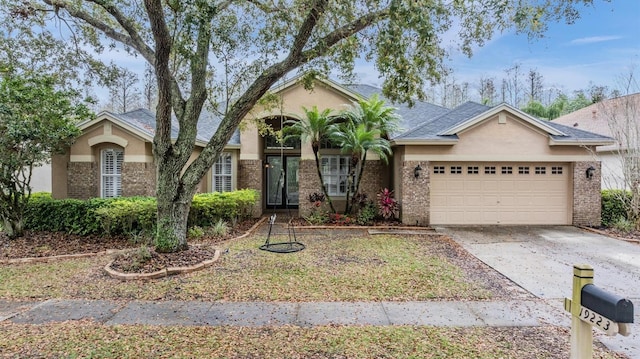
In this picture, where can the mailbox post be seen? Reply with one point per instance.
(592, 306)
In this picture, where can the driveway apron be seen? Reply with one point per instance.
(541, 259)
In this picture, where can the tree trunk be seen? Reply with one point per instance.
(355, 159)
(174, 202)
(324, 188)
(13, 227)
(362, 162)
(173, 214)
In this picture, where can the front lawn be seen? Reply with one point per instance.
(331, 268)
(91, 340)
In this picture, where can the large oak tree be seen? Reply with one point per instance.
(233, 51)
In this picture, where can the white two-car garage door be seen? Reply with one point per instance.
(500, 193)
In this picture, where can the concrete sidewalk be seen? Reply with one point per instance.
(193, 313)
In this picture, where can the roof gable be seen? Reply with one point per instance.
(446, 128)
(137, 127)
(326, 83)
(475, 120)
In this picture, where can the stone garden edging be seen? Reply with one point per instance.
(175, 270)
(163, 272)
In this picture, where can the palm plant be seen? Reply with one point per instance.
(356, 139)
(369, 124)
(315, 128)
(374, 114)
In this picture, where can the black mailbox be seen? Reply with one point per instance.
(611, 306)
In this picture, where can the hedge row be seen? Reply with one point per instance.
(613, 205)
(129, 214)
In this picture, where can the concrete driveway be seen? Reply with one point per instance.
(541, 259)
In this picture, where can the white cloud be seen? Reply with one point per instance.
(593, 39)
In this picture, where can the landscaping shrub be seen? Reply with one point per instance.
(387, 205)
(367, 214)
(220, 228)
(624, 225)
(613, 206)
(43, 213)
(208, 208)
(127, 215)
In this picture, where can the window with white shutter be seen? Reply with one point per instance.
(335, 172)
(111, 171)
(222, 174)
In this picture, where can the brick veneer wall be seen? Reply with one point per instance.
(82, 180)
(308, 183)
(587, 195)
(138, 179)
(414, 200)
(373, 180)
(250, 176)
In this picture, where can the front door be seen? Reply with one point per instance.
(282, 181)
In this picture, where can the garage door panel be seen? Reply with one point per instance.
(489, 184)
(474, 200)
(512, 200)
(456, 201)
(473, 186)
(500, 197)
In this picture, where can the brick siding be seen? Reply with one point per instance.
(374, 178)
(250, 176)
(82, 180)
(138, 179)
(414, 200)
(308, 183)
(587, 196)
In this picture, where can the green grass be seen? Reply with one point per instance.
(91, 340)
(367, 268)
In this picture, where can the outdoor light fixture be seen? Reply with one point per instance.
(267, 165)
(590, 172)
(416, 171)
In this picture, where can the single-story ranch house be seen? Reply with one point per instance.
(471, 165)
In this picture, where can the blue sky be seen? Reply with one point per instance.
(599, 47)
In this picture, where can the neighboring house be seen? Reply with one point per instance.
(617, 118)
(41, 178)
(470, 165)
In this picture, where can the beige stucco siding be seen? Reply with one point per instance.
(294, 99)
(136, 149)
(493, 141)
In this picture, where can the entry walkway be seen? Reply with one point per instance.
(433, 313)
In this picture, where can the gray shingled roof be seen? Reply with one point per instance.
(423, 121)
(411, 117)
(429, 130)
(575, 134)
(145, 121)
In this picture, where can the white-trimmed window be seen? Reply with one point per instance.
(335, 172)
(222, 176)
(111, 172)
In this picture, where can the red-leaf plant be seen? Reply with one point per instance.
(387, 205)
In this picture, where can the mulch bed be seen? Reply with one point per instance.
(47, 244)
(147, 260)
(633, 235)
